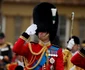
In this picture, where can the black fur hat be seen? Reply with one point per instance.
(45, 20)
(2, 35)
(19, 68)
(76, 39)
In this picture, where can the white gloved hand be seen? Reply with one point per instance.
(1, 57)
(73, 68)
(70, 44)
(31, 30)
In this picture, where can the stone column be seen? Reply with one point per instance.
(0, 15)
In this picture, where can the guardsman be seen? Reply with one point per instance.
(72, 46)
(5, 51)
(43, 55)
(79, 58)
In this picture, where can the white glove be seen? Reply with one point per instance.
(70, 44)
(1, 57)
(73, 68)
(31, 30)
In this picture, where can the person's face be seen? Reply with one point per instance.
(75, 48)
(43, 36)
(19, 58)
(2, 40)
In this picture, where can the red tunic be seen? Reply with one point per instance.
(12, 66)
(22, 48)
(78, 60)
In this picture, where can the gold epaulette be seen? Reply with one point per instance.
(5, 44)
(9, 43)
(22, 37)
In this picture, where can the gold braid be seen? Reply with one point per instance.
(32, 60)
(43, 50)
(34, 52)
(38, 60)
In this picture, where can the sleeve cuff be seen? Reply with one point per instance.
(25, 35)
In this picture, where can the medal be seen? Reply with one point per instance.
(52, 61)
(51, 67)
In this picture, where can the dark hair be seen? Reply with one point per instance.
(2, 35)
(76, 39)
(19, 68)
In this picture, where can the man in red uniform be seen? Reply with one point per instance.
(79, 58)
(43, 55)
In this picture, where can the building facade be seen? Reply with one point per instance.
(17, 16)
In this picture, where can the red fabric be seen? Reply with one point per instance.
(78, 60)
(12, 66)
(21, 48)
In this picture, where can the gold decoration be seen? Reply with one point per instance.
(22, 37)
(43, 50)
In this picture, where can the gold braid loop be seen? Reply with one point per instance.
(30, 62)
(38, 60)
(43, 50)
(34, 52)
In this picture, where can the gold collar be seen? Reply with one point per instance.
(44, 44)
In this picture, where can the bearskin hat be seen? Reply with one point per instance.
(76, 39)
(72, 41)
(45, 20)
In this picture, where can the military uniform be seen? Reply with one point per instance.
(66, 57)
(55, 57)
(41, 55)
(11, 66)
(79, 59)
(5, 50)
(14, 66)
(67, 54)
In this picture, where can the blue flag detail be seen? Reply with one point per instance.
(53, 48)
(44, 59)
(42, 62)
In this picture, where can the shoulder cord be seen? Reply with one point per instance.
(43, 51)
(30, 62)
(38, 52)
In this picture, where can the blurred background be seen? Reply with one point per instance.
(16, 16)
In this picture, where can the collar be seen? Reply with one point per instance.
(44, 44)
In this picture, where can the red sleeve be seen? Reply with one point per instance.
(59, 60)
(21, 47)
(78, 60)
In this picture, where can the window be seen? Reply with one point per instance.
(82, 29)
(63, 29)
(3, 24)
(18, 23)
